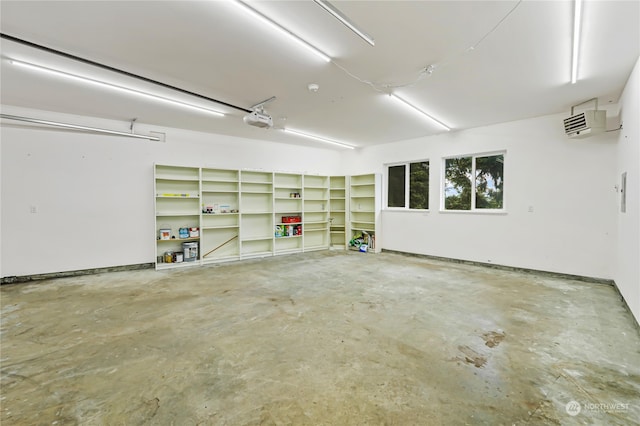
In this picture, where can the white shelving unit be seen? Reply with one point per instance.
(256, 214)
(220, 220)
(364, 209)
(338, 211)
(177, 205)
(287, 199)
(239, 214)
(316, 212)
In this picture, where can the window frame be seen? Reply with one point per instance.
(407, 185)
(473, 209)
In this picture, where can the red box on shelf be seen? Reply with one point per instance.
(291, 219)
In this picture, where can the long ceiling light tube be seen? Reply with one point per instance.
(116, 70)
(345, 20)
(293, 37)
(76, 127)
(318, 138)
(113, 86)
(577, 21)
(416, 109)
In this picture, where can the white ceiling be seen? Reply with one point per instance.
(494, 61)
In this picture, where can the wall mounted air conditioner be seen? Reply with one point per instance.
(586, 123)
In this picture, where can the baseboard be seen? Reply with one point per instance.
(51, 275)
(508, 268)
(626, 305)
(528, 271)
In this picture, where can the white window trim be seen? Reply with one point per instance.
(473, 210)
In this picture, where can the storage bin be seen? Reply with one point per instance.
(190, 251)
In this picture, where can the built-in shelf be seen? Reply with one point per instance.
(241, 213)
(364, 212)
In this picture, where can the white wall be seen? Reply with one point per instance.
(93, 194)
(568, 183)
(627, 274)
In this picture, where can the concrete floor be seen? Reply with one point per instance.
(325, 338)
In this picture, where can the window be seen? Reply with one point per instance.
(408, 186)
(474, 182)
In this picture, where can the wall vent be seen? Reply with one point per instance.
(586, 123)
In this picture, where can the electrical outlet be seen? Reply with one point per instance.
(33, 209)
(530, 209)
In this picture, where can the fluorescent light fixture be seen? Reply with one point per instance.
(77, 127)
(345, 20)
(577, 20)
(416, 109)
(318, 138)
(244, 6)
(113, 86)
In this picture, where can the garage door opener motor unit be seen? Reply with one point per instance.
(258, 117)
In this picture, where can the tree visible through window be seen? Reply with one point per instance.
(408, 185)
(474, 182)
(489, 182)
(419, 185)
(457, 183)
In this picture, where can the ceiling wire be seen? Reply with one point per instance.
(385, 87)
(497, 25)
(361, 80)
(427, 71)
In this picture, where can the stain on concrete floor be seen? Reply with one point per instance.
(325, 338)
